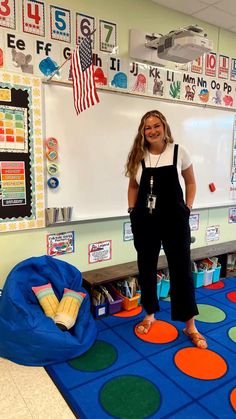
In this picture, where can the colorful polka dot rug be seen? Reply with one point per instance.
(162, 374)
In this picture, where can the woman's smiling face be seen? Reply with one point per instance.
(154, 131)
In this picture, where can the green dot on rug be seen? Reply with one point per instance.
(210, 314)
(129, 397)
(100, 356)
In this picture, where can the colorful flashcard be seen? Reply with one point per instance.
(232, 215)
(60, 243)
(194, 222)
(85, 25)
(233, 69)
(156, 81)
(210, 64)
(8, 14)
(108, 36)
(100, 65)
(20, 60)
(223, 67)
(60, 24)
(197, 65)
(138, 75)
(212, 233)
(13, 188)
(13, 129)
(118, 70)
(173, 84)
(33, 17)
(127, 232)
(100, 251)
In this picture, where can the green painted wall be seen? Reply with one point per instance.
(147, 16)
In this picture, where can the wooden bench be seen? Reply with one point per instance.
(123, 270)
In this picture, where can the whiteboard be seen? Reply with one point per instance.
(93, 149)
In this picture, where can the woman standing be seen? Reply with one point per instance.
(160, 215)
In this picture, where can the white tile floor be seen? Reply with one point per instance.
(28, 392)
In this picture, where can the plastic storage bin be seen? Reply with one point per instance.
(158, 289)
(116, 305)
(216, 274)
(100, 310)
(208, 277)
(198, 279)
(165, 287)
(128, 303)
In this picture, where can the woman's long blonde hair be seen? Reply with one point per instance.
(140, 144)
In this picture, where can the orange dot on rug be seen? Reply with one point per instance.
(200, 363)
(233, 398)
(232, 296)
(215, 286)
(160, 332)
(129, 313)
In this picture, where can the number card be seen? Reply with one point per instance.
(60, 24)
(107, 36)
(8, 14)
(33, 16)
(84, 26)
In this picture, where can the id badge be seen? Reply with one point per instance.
(151, 202)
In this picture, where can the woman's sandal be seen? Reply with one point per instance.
(145, 325)
(195, 338)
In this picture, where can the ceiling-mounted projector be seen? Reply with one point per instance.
(183, 45)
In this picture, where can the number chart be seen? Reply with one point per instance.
(33, 17)
(60, 24)
(8, 14)
(107, 36)
(13, 122)
(84, 26)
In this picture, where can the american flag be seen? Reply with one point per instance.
(84, 87)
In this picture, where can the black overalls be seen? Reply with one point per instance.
(168, 224)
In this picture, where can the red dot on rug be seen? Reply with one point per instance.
(160, 332)
(232, 296)
(233, 398)
(200, 363)
(215, 286)
(129, 313)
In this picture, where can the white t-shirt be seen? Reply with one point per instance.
(166, 159)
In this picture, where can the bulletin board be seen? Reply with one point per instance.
(21, 153)
(93, 149)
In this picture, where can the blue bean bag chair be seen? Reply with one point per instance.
(27, 335)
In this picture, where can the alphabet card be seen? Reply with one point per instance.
(19, 53)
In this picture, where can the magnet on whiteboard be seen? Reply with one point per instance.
(52, 143)
(212, 187)
(52, 155)
(53, 182)
(52, 168)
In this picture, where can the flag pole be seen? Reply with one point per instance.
(53, 74)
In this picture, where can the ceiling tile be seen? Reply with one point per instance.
(216, 17)
(229, 6)
(183, 6)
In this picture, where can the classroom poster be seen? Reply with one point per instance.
(194, 222)
(232, 215)
(60, 243)
(21, 153)
(212, 233)
(127, 231)
(100, 251)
